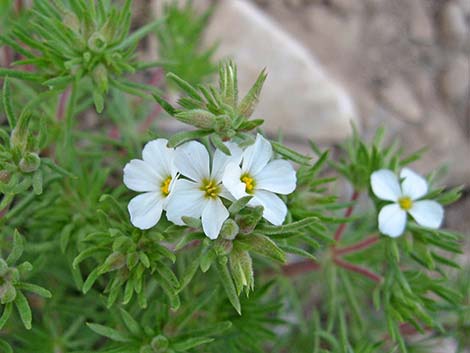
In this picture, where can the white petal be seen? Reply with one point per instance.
(221, 160)
(145, 210)
(192, 160)
(232, 182)
(385, 185)
(392, 220)
(160, 157)
(413, 185)
(140, 176)
(256, 156)
(186, 200)
(275, 210)
(278, 176)
(213, 216)
(427, 213)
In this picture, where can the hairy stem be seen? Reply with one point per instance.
(296, 268)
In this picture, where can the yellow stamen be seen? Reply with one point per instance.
(211, 189)
(405, 203)
(249, 183)
(165, 187)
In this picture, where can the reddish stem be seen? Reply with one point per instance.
(339, 232)
(300, 267)
(8, 54)
(18, 5)
(358, 269)
(358, 246)
(61, 108)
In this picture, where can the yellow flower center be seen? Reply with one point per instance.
(405, 203)
(211, 189)
(249, 183)
(165, 187)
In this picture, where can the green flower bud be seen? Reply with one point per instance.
(229, 229)
(71, 21)
(223, 123)
(7, 292)
(159, 344)
(30, 162)
(4, 176)
(113, 262)
(100, 77)
(223, 247)
(97, 42)
(197, 117)
(249, 218)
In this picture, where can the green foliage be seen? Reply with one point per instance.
(180, 38)
(324, 281)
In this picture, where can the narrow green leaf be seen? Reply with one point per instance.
(7, 309)
(227, 283)
(164, 104)
(17, 249)
(182, 137)
(108, 332)
(130, 323)
(185, 86)
(42, 292)
(23, 309)
(290, 154)
(190, 343)
(248, 103)
(239, 204)
(263, 245)
(22, 75)
(6, 98)
(288, 228)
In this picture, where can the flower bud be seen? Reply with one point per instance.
(229, 229)
(4, 176)
(113, 262)
(223, 247)
(71, 21)
(197, 117)
(97, 42)
(222, 124)
(7, 292)
(29, 163)
(249, 218)
(159, 344)
(100, 77)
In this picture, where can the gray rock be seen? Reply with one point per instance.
(399, 97)
(465, 6)
(299, 97)
(454, 29)
(455, 79)
(421, 26)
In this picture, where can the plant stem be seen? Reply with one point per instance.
(300, 267)
(339, 232)
(358, 269)
(62, 101)
(364, 244)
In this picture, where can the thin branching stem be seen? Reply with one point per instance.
(342, 227)
(359, 246)
(358, 269)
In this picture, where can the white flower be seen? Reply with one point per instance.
(155, 176)
(405, 198)
(200, 195)
(262, 178)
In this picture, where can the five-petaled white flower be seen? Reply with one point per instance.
(406, 199)
(200, 195)
(154, 175)
(262, 178)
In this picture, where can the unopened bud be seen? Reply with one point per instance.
(159, 344)
(71, 21)
(113, 262)
(7, 292)
(100, 77)
(4, 176)
(97, 42)
(223, 247)
(249, 218)
(222, 124)
(197, 117)
(229, 229)
(29, 163)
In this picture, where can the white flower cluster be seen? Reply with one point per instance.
(186, 182)
(406, 198)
